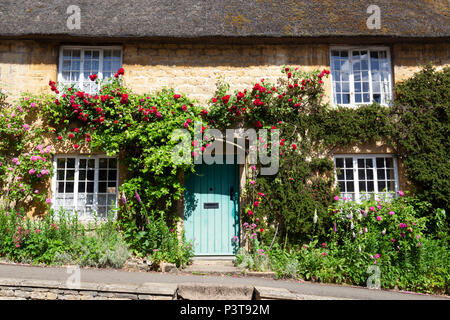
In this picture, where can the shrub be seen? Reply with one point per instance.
(420, 132)
(61, 239)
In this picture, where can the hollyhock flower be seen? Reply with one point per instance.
(372, 209)
(379, 207)
(252, 182)
(378, 218)
(418, 236)
(33, 105)
(48, 200)
(138, 198)
(32, 171)
(401, 193)
(391, 213)
(336, 198)
(26, 127)
(253, 168)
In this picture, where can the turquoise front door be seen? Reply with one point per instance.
(211, 209)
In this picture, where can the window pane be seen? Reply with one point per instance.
(90, 187)
(103, 175)
(350, 186)
(112, 163)
(82, 175)
(341, 186)
(70, 175)
(90, 175)
(112, 175)
(380, 174)
(70, 162)
(81, 186)
(370, 186)
(60, 187)
(361, 174)
(103, 163)
(61, 163)
(349, 174)
(69, 187)
(339, 162)
(349, 162)
(60, 175)
(102, 187)
(381, 186)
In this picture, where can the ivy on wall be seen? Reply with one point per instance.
(294, 203)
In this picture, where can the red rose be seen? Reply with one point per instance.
(289, 75)
(294, 146)
(184, 107)
(124, 99)
(71, 135)
(262, 229)
(176, 96)
(93, 77)
(121, 71)
(225, 99)
(59, 138)
(76, 146)
(76, 130)
(214, 100)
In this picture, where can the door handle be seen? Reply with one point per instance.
(231, 193)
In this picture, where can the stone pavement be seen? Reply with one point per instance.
(201, 286)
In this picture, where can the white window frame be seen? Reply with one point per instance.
(83, 49)
(355, 158)
(349, 49)
(75, 188)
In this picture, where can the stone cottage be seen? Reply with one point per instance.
(186, 45)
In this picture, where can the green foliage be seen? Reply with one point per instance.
(138, 129)
(421, 130)
(61, 239)
(389, 235)
(154, 238)
(24, 159)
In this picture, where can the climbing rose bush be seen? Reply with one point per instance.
(25, 158)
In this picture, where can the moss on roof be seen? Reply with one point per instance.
(226, 18)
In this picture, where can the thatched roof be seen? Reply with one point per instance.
(226, 18)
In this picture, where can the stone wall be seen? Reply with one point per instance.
(16, 289)
(193, 69)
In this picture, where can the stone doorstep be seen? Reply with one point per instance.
(209, 291)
